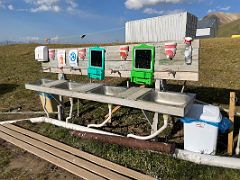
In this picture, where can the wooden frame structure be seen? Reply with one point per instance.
(164, 68)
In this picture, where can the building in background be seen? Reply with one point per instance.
(207, 28)
(161, 28)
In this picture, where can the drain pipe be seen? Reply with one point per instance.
(165, 117)
(71, 110)
(104, 122)
(69, 125)
(210, 160)
(238, 144)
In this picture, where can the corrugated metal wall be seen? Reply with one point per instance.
(162, 28)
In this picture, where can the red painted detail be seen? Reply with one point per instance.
(124, 52)
(82, 54)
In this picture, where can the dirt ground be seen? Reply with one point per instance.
(23, 165)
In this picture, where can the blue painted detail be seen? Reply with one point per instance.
(73, 56)
(223, 126)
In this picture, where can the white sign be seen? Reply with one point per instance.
(73, 58)
(61, 57)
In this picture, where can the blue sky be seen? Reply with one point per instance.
(102, 20)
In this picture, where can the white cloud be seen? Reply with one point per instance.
(156, 12)
(227, 8)
(72, 3)
(10, 7)
(44, 5)
(139, 4)
(174, 11)
(45, 8)
(152, 11)
(211, 10)
(31, 39)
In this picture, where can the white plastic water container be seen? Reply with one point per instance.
(41, 53)
(199, 136)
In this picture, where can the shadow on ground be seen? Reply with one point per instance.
(208, 94)
(6, 88)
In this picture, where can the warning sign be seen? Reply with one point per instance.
(61, 57)
(73, 58)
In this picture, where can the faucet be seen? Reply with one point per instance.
(115, 71)
(170, 71)
(75, 69)
(46, 68)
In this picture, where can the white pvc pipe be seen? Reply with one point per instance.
(238, 144)
(71, 110)
(104, 122)
(210, 160)
(26, 113)
(69, 125)
(12, 121)
(165, 117)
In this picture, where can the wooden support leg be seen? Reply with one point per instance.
(231, 117)
(113, 111)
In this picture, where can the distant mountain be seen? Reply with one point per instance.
(223, 18)
(227, 30)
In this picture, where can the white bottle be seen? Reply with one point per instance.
(188, 50)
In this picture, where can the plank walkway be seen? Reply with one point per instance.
(77, 162)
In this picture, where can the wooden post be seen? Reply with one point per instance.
(231, 117)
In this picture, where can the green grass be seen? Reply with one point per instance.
(219, 74)
(227, 30)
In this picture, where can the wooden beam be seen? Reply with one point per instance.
(49, 157)
(231, 117)
(81, 154)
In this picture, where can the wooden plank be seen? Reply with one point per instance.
(231, 117)
(50, 158)
(113, 111)
(66, 156)
(107, 164)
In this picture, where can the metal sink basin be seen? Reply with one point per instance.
(168, 98)
(68, 86)
(42, 82)
(108, 90)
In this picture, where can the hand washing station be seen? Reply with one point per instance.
(171, 103)
(145, 66)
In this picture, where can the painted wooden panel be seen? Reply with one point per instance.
(114, 65)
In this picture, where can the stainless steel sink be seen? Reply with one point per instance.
(108, 90)
(168, 98)
(68, 86)
(42, 82)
